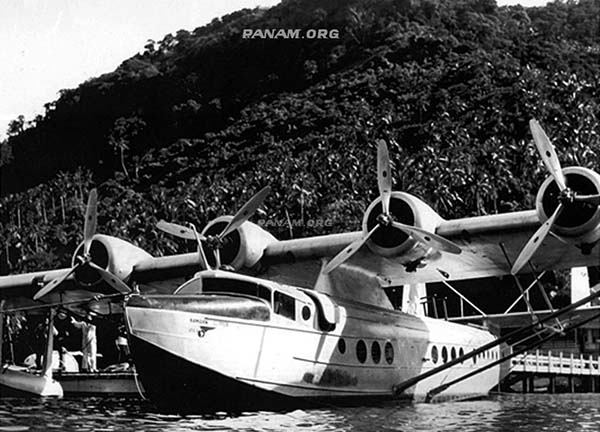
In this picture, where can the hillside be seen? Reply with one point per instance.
(193, 126)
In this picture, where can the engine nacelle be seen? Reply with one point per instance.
(406, 209)
(579, 222)
(110, 253)
(243, 247)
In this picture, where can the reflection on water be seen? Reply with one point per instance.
(499, 413)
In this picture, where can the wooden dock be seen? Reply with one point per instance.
(554, 373)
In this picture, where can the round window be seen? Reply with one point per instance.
(342, 346)
(453, 353)
(375, 352)
(361, 351)
(389, 353)
(461, 352)
(305, 313)
(444, 354)
(434, 354)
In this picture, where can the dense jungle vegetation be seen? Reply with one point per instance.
(191, 127)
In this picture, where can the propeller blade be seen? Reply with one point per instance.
(535, 241)
(428, 238)
(202, 257)
(111, 279)
(178, 230)
(384, 176)
(348, 251)
(246, 211)
(592, 199)
(91, 220)
(54, 283)
(548, 154)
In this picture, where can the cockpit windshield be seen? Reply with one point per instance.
(225, 285)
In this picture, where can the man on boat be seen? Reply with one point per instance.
(88, 343)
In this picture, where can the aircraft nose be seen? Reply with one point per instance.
(217, 305)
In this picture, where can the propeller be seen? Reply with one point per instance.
(215, 242)
(566, 197)
(89, 229)
(384, 183)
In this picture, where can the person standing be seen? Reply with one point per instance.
(88, 343)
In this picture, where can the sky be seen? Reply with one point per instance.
(49, 45)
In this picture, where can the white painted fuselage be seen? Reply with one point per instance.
(300, 345)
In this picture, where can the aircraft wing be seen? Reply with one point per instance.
(487, 243)
(522, 319)
(26, 280)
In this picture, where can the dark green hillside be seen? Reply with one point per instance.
(197, 123)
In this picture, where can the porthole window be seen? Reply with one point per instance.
(461, 352)
(305, 313)
(434, 354)
(453, 353)
(444, 354)
(342, 346)
(389, 353)
(475, 359)
(361, 351)
(375, 352)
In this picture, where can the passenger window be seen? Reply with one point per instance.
(361, 351)
(434, 354)
(444, 354)
(375, 352)
(305, 313)
(453, 353)
(341, 346)
(461, 353)
(284, 305)
(389, 353)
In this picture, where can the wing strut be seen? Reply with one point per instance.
(437, 390)
(511, 337)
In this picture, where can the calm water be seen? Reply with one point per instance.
(578, 412)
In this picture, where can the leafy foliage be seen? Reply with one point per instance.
(193, 126)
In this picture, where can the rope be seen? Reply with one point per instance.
(137, 384)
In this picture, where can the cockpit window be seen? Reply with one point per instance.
(284, 305)
(193, 286)
(236, 286)
(204, 285)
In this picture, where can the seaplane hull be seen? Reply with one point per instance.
(197, 358)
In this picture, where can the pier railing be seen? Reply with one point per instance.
(546, 362)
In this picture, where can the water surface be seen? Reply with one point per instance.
(508, 412)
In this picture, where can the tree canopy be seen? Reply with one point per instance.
(191, 127)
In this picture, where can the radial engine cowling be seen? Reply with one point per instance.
(406, 209)
(243, 247)
(579, 222)
(110, 253)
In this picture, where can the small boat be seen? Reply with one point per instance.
(22, 381)
(115, 380)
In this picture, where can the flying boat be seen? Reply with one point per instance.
(266, 323)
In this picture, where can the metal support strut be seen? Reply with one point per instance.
(512, 336)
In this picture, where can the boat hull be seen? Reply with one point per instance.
(18, 381)
(190, 361)
(98, 383)
(185, 387)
